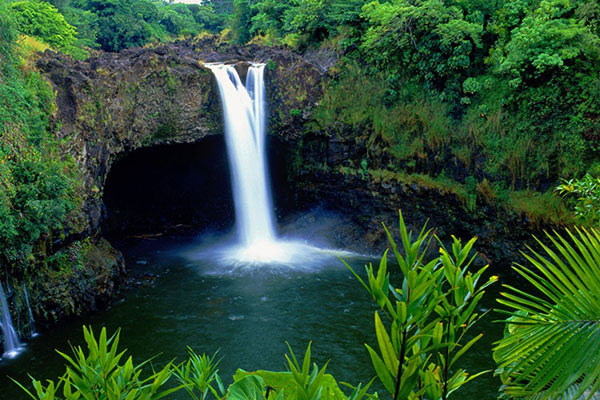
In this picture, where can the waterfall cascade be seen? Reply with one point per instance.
(244, 113)
(11, 341)
(243, 109)
(29, 313)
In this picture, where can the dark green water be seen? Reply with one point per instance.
(248, 315)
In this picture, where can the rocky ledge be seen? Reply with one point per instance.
(114, 103)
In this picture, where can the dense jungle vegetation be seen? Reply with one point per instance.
(498, 100)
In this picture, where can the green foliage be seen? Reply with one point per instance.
(540, 208)
(36, 193)
(545, 63)
(431, 312)
(117, 24)
(551, 345)
(269, 17)
(586, 195)
(99, 373)
(241, 26)
(546, 41)
(308, 385)
(85, 22)
(299, 23)
(407, 127)
(299, 382)
(432, 41)
(121, 24)
(306, 21)
(199, 375)
(508, 89)
(42, 20)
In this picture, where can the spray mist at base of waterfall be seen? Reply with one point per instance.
(230, 258)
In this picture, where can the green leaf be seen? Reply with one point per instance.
(555, 340)
(382, 372)
(385, 345)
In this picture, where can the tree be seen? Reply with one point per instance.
(42, 20)
(269, 18)
(36, 183)
(432, 41)
(242, 20)
(545, 69)
(178, 19)
(121, 24)
(308, 20)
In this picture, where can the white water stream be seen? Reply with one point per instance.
(244, 113)
(243, 109)
(11, 344)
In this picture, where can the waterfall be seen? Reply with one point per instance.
(30, 313)
(244, 114)
(11, 341)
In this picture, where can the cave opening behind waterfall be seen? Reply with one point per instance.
(176, 187)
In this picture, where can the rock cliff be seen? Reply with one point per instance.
(115, 103)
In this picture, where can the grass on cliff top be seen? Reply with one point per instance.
(396, 115)
(540, 208)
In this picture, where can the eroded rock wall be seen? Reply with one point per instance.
(114, 103)
(111, 105)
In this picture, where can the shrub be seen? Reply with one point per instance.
(585, 193)
(430, 313)
(42, 20)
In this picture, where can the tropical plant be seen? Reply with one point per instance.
(586, 194)
(98, 373)
(551, 345)
(241, 21)
(429, 315)
(42, 20)
(298, 382)
(36, 177)
(435, 42)
(199, 374)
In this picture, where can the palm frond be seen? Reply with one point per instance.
(552, 344)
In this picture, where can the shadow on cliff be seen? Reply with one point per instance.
(181, 187)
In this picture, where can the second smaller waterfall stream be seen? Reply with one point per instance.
(29, 313)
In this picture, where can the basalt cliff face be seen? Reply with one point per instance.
(112, 105)
(116, 104)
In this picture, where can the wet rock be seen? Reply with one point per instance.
(114, 103)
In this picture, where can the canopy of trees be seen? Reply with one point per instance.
(504, 94)
(42, 20)
(113, 25)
